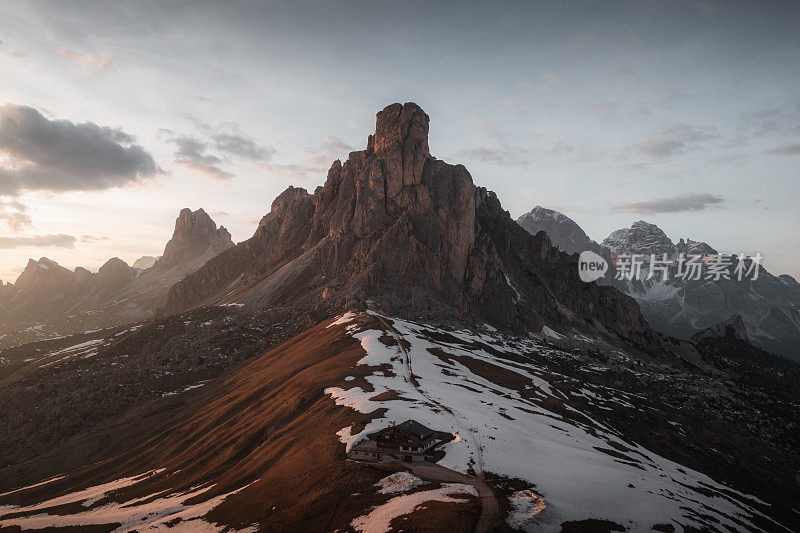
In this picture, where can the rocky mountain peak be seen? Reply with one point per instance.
(113, 275)
(285, 202)
(641, 238)
(43, 275)
(543, 212)
(563, 232)
(145, 262)
(194, 233)
(113, 269)
(401, 144)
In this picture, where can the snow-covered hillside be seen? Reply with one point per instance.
(497, 396)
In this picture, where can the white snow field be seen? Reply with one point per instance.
(580, 468)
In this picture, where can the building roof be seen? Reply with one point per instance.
(416, 429)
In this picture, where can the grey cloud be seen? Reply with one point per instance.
(199, 155)
(60, 155)
(675, 204)
(571, 150)
(92, 238)
(643, 107)
(773, 119)
(13, 214)
(56, 240)
(785, 149)
(335, 144)
(673, 140)
(191, 153)
(244, 147)
(491, 130)
(330, 149)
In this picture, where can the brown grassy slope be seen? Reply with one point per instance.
(272, 422)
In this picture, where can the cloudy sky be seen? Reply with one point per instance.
(115, 116)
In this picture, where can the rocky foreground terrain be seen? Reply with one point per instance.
(398, 290)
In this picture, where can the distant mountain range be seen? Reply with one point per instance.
(769, 305)
(48, 300)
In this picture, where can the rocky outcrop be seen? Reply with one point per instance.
(413, 235)
(732, 328)
(194, 234)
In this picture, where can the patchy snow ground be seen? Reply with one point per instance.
(379, 518)
(148, 513)
(64, 354)
(398, 482)
(581, 468)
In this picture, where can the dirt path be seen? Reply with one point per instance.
(433, 472)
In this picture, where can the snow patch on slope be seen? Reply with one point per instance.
(154, 512)
(398, 482)
(378, 520)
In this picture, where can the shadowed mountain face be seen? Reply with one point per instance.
(769, 306)
(563, 232)
(412, 234)
(49, 300)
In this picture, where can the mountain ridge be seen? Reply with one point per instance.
(49, 300)
(769, 305)
(398, 227)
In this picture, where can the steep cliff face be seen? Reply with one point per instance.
(396, 227)
(194, 234)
